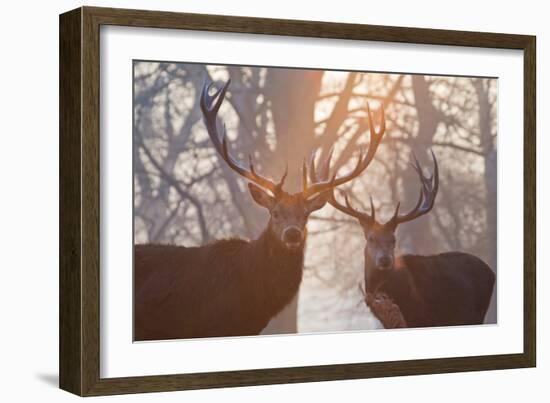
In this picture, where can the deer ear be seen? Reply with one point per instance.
(317, 202)
(261, 197)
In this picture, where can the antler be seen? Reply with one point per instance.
(322, 183)
(426, 200)
(428, 192)
(348, 209)
(210, 104)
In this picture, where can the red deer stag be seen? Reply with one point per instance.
(232, 287)
(417, 291)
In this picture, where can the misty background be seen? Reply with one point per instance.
(185, 194)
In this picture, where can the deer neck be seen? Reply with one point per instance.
(397, 282)
(281, 269)
(269, 246)
(376, 278)
(371, 277)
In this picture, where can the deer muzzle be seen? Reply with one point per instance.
(384, 262)
(293, 237)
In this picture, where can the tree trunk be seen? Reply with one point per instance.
(420, 239)
(292, 94)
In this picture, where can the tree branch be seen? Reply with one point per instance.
(176, 185)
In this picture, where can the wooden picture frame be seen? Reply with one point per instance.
(79, 200)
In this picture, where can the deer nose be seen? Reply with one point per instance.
(292, 235)
(384, 262)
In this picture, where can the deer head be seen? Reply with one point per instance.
(380, 246)
(288, 212)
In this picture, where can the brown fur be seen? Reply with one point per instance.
(439, 290)
(228, 288)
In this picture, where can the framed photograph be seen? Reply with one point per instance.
(250, 201)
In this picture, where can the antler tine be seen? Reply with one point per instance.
(315, 176)
(322, 175)
(305, 170)
(363, 161)
(350, 210)
(210, 104)
(324, 184)
(279, 186)
(372, 210)
(429, 186)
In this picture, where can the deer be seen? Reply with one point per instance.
(445, 289)
(232, 287)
